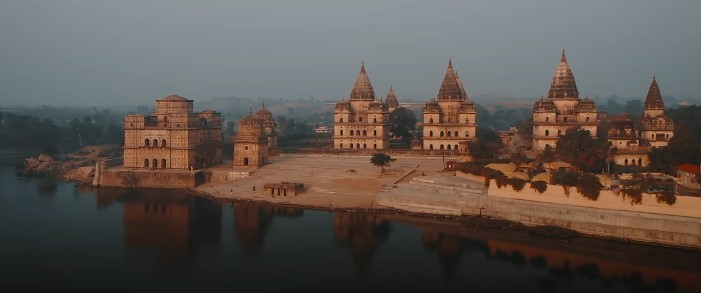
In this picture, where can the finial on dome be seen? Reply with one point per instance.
(563, 58)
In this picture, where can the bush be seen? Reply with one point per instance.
(501, 179)
(589, 186)
(540, 186)
(667, 197)
(517, 183)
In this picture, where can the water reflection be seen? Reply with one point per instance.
(251, 220)
(172, 224)
(363, 233)
(637, 267)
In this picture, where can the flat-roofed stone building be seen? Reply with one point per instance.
(169, 138)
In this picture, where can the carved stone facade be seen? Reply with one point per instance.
(168, 138)
(562, 109)
(658, 128)
(251, 144)
(633, 145)
(450, 119)
(361, 122)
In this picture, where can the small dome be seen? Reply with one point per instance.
(544, 105)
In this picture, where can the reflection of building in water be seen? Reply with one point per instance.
(362, 232)
(174, 224)
(251, 220)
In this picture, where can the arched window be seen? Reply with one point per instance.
(456, 147)
(351, 145)
(163, 142)
(547, 119)
(640, 162)
(564, 119)
(430, 133)
(374, 146)
(155, 142)
(442, 147)
(587, 119)
(449, 133)
(340, 120)
(341, 132)
(374, 120)
(165, 118)
(442, 134)
(146, 163)
(365, 146)
(374, 132)
(430, 120)
(163, 163)
(456, 133)
(203, 121)
(357, 145)
(245, 147)
(467, 134)
(155, 163)
(147, 142)
(360, 118)
(467, 120)
(449, 147)
(547, 132)
(365, 133)
(559, 132)
(245, 161)
(340, 146)
(352, 132)
(625, 162)
(430, 146)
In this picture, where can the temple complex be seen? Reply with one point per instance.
(173, 137)
(450, 119)
(361, 122)
(562, 109)
(633, 144)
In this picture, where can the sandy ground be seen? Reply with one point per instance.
(330, 181)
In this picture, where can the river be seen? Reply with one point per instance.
(56, 235)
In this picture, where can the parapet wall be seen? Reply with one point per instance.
(677, 225)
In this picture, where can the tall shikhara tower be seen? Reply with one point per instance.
(450, 119)
(658, 128)
(361, 122)
(562, 109)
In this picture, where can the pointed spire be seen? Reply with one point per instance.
(451, 87)
(654, 96)
(391, 99)
(362, 89)
(563, 85)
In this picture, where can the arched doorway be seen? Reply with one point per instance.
(146, 163)
(155, 163)
(163, 163)
(245, 161)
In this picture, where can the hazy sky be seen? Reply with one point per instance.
(133, 51)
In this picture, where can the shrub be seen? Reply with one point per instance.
(517, 183)
(501, 179)
(667, 197)
(589, 186)
(540, 186)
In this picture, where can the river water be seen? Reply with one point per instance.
(56, 235)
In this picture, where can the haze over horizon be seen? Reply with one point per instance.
(97, 53)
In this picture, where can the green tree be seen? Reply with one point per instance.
(518, 158)
(578, 148)
(546, 156)
(381, 160)
(565, 178)
(487, 144)
(589, 186)
(402, 122)
(206, 151)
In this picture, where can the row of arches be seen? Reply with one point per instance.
(360, 119)
(154, 163)
(467, 120)
(154, 142)
(564, 119)
(633, 162)
(449, 133)
(357, 146)
(358, 133)
(444, 147)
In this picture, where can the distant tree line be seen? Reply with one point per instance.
(24, 132)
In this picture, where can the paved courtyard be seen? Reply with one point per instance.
(330, 181)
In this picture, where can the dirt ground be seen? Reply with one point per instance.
(330, 181)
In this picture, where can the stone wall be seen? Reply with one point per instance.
(150, 179)
(678, 225)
